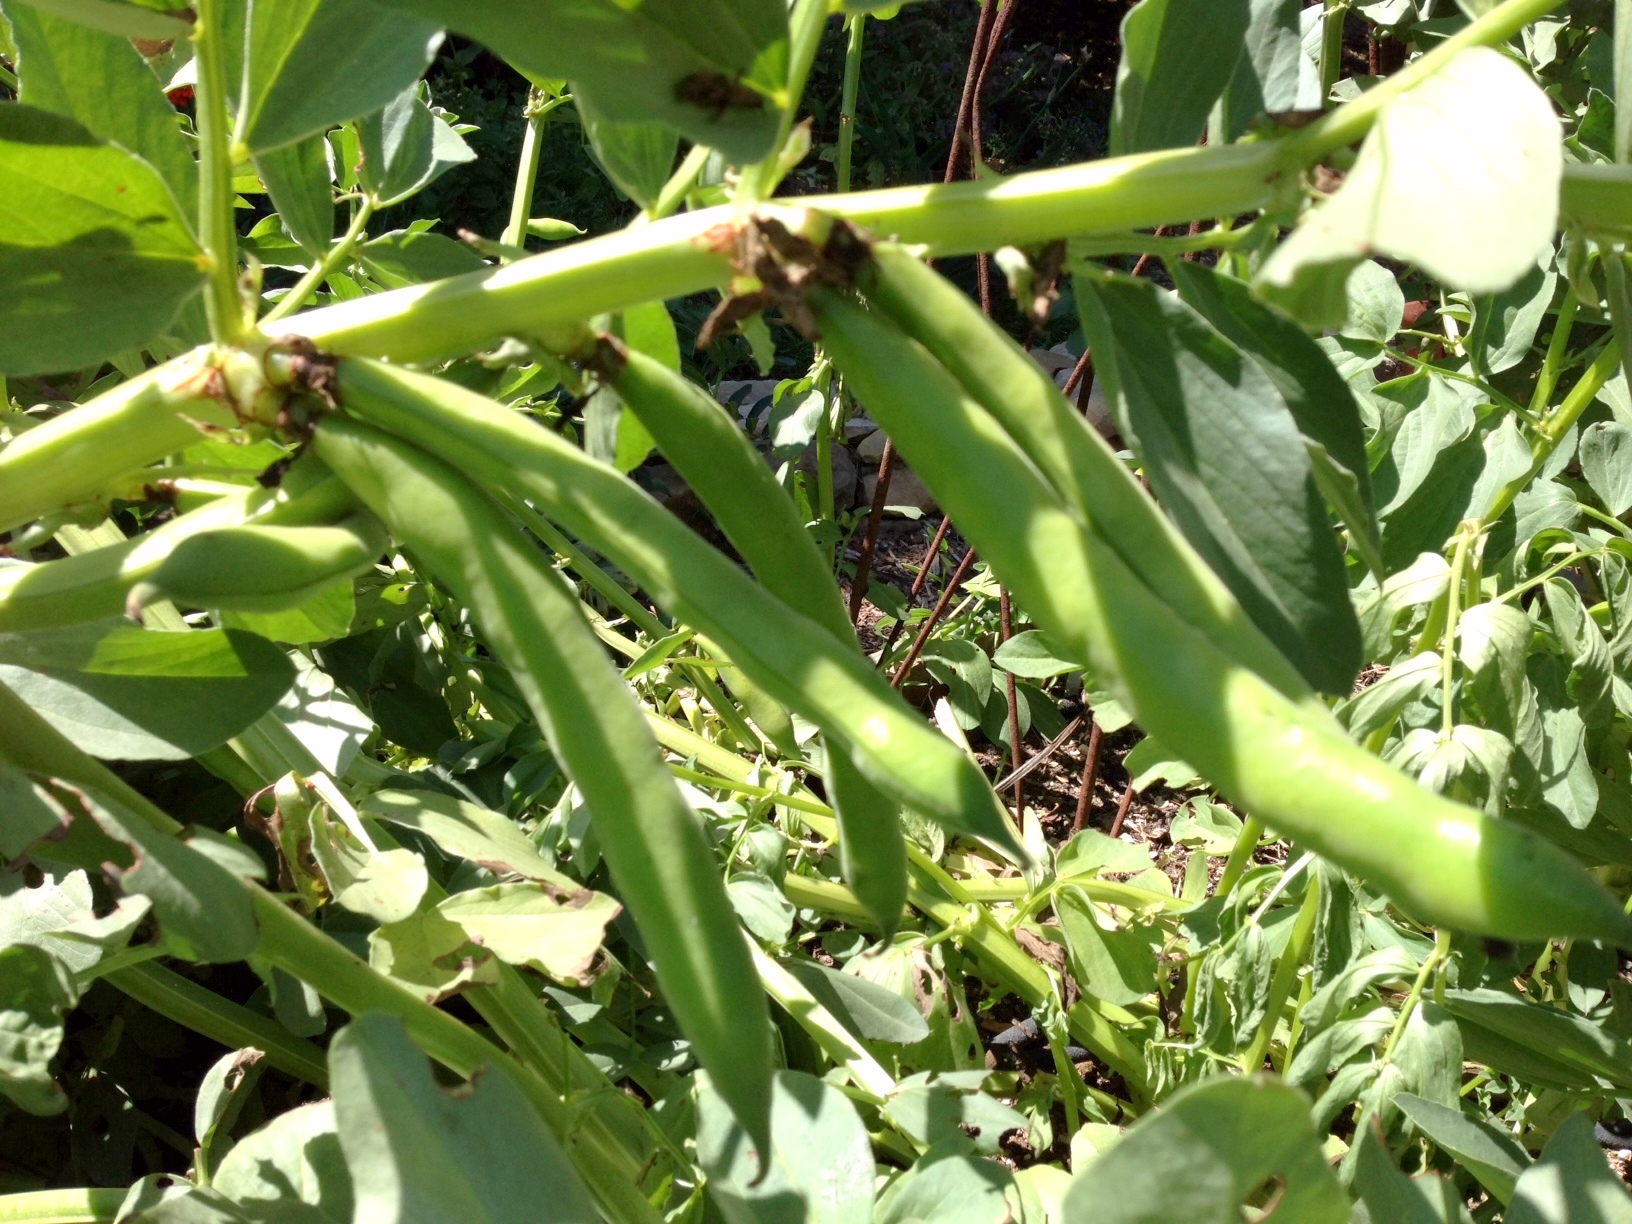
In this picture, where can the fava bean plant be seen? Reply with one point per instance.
(405, 816)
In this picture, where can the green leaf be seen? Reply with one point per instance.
(942, 1112)
(1505, 324)
(1584, 1052)
(1606, 462)
(870, 1011)
(1090, 852)
(647, 329)
(385, 885)
(36, 991)
(949, 1186)
(1483, 1149)
(124, 693)
(125, 20)
(637, 157)
(1458, 175)
(1226, 459)
(819, 1169)
(100, 80)
(27, 813)
(524, 925)
(416, 1151)
(323, 618)
(762, 907)
(1032, 654)
(1570, 1183)
(466, 831)
(1388, 1196)
(202, 906)
(1200, 1156)
(1117, 965)
(291, 1171)
(1273, 75)
(430, 955)
(314, 63)
(299, 177)
(410, 257)
(714, 70)
(94, 254)
(58, 918)
(405, 147)
(1177, 57)
(1321, 403)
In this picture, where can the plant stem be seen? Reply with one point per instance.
(1286, 975)
(680, 183)
(190, 1005)
(1551, 431)
(1558, 347)
(1348, 123)
(805, 24)
(834, 1039)
(319, 272)
(521, 203)
(1453, 610)
(1240, 855)
(857, 23)
(61, 1207)
(217, 224)
(1442, 950)
(683, 254)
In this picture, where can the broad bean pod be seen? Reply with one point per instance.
(1286, 762)
(659, 855)
(1078, 464)
(791, 657)
(253, 568)
(98, 584)
(726, 472)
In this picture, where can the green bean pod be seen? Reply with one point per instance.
(793, 658)
(263, 569)
(726, 472)
(98, 584)
(1077, 463)
(658, 853)
(93, 449)
(1285, 762)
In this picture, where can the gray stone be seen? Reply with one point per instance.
(857, 428)
(905, 490)
(844, 473)
(871, 448)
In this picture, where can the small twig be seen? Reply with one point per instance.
(869, 540)
(1122, 811)
(1090, 776)
(917, 584)
(1048, 750)
(1006, 622)
(934, 619)
(977, 58)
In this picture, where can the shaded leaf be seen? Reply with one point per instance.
(1177, 57)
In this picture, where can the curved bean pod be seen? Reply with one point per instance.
(95, 585)
(1069, 454)
(659, 856)
(791, 657)
(726, 472)
(252, 568)
(1285, 762)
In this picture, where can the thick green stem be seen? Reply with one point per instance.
(61, 1207)
(683, 254)
(1465, 535)
(847, 103)
(217, 222)
(1286, 976)
(235, 1027)
(805, 24)
(521, 203)
(319, 272)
